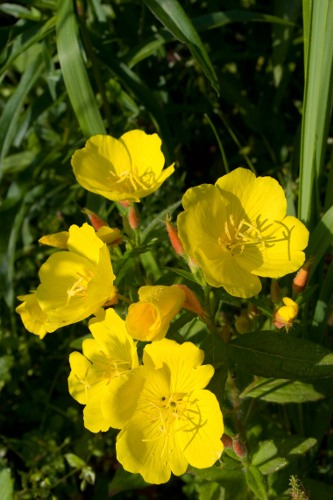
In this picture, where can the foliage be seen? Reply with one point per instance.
(246, 83)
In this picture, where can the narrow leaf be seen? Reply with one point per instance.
(174, 18)
(320, 239)
(317, 109)
(74, 72)
(12, 111)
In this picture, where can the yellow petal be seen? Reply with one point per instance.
(77, 380)
(57, 240)
(144, 152)
(286, 254)
(200, 436)
(257, 195)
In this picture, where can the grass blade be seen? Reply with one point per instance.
(74, 72)
(12, 111)
(317, 108)
(175, 19)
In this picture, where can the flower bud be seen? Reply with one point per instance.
(227, 441)
(191, 301)
(173, 236)
(285, 315)
(301, 279)
(239, 448)
(133, 217)
(95, 220)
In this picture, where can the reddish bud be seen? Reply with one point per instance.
(302, 277)
(239, 448)
(95, 220)
(227, 441)
(191, 301)
(133, 217)
(174, 238)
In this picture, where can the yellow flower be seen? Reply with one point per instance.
(121, 170)
(149, 319)
(238, 230)
(174, 421)
(74, 284)
(286, 315)
(105, 360)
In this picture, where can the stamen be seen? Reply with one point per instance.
(237, 237)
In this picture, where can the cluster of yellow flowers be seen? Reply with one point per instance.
(233, 232)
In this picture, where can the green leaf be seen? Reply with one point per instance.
(284, 391)
(275, 454)
(174, 18)
(74, 461)
(320, 239)
(271, 354)
(6, 364)
(13, 109)
(255, 482)
(6, 484)
(74, 72)
(317, 108)
(124, 481)
(25, 40)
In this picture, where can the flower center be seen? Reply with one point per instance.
(79, 288)
(166, 410)
(131, 180)
(110, 368)
(237, 236)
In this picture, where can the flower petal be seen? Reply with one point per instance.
(200, 435)
(286, 255)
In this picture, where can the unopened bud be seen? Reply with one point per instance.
(286, 315)
(227, 441)
(191, 302)
(239, 448)
(133, 217)
(302, 277)
(95, 220)
(174, 238)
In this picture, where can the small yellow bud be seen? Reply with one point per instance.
(285, 315)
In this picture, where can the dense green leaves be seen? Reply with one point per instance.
(271, 354)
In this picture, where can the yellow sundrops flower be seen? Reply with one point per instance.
(149, 319)
(125, 169)
(105, 360)
(238, 230)
(74, 284)
(286, 315)
(174, 421)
